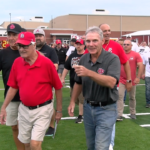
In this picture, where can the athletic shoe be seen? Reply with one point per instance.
(119, 118)
(110, 147)
(79, 119)
(147, 106)
(133, 116)
(50, 132)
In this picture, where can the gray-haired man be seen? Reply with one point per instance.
(97, 76)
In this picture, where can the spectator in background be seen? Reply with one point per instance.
(1, 45)
(120, 41)
(61, 53)
(71, 47)
(146, 76)
(72, 60)
(134, 61)
(134, 45)
(143, 48)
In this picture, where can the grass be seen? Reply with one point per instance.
(71, 136)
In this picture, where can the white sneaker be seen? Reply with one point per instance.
(110, 147)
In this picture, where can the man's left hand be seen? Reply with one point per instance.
(128, 86)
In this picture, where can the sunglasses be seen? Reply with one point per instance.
(126, 44)
(23, 46)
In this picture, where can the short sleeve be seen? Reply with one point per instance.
(68, 52)
(114, 68)
(12, 80)
(55, 80)
(139, 59)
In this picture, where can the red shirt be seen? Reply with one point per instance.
(134, 58)
(34, 82)
(117, 49)
(86, 51)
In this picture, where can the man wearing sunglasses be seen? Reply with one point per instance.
(134, 61)
(33, 75)
(7, 57)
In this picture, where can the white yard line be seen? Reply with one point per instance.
(145, 125)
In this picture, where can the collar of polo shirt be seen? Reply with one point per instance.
(100, 58)
(37, 63)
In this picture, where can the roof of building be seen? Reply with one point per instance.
(139, 33)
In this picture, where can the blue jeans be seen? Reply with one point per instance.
(98, 123)
(113, 135)
(147, 90)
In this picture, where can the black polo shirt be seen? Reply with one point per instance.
(50, 53)
(106, 64)
(61, 55)
(7, 57)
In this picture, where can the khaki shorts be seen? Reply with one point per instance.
(34, 123)
(80, 98)
(12, 113)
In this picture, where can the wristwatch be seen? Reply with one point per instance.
(129, 81)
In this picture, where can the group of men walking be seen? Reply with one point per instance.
(94, 76)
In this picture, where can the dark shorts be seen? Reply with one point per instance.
(60, 68)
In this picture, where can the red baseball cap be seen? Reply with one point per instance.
(25, 38)
(80, 41)
(58, 41)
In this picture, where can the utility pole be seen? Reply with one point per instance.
(10, 17)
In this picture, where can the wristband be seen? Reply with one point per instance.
(58, 111)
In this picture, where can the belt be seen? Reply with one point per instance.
(40, 105)
(93, 103)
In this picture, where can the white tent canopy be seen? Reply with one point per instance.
(139, 33)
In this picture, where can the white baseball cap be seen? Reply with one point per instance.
(39, 31)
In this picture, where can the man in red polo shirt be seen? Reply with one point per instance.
(134, 60)
(33, 75)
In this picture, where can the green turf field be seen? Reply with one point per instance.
(71, 136)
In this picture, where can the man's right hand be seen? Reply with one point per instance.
(71, 109)
(128, 86)
(3, 116)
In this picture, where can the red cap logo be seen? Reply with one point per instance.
(37, 30)
(12, 26)
(22, 36)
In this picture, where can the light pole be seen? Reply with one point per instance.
(10, 17)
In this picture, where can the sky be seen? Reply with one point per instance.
(26, 9)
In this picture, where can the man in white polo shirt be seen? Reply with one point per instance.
(146, 76)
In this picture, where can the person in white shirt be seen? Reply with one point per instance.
(143, 48)
(134, 45)
(71, 47)
(146, 76)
